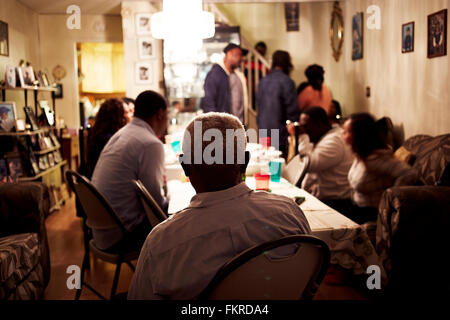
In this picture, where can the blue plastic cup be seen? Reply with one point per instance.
(176, 146)
(275, 170)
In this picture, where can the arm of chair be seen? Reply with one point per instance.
(411, 214)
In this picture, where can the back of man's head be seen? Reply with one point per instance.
(317, 115)
(148, 103)
(214, 149)
(282, 60)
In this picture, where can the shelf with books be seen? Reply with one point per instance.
(43, 173)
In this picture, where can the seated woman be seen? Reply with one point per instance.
(109, 119)
(374, 169)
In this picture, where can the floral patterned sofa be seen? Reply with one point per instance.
(24, 251)
(413, 224)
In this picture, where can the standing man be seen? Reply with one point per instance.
(276, 100)
(225, 86)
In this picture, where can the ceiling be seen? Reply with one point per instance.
(109, 6)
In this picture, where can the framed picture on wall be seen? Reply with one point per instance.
(408, 37)
(143, 24)
(144, 73)
(437, 34)
(146, 48)
(4, 39)
(8, 116)
(357, 36)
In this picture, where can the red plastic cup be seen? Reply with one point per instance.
(265, 142)
(262, 181)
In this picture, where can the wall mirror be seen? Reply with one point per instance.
(336, 31)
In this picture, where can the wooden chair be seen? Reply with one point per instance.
(100, 216)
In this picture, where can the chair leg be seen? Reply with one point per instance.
(78, 294)
(130, 265)
(86, 261)
(116, 280)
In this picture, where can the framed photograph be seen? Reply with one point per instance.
(51, 160)
(59, 91)
(28, 75)
(4, 39)
(146, 47)
(15, 167)
(57, 156)
(408, 37)
(48, 142)
(43, 163)
(3, 171)
(437, 34)
(10, 76)
(8, 116)
(20, 125)
(49, 115)
(291, 13)
(144, 72)
(55, 140)
(357, 36)
(20, 82)
(31, 118)
(143, 24)
(43, 80)
(34, 165)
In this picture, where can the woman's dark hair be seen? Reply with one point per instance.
(282, 59)
(337, 106)
(110, 117)
(315, 73)
(128, 100)
(366, 137)
(301, 87)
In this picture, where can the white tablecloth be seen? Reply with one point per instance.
(349, 243)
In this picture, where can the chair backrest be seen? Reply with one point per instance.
(154, 213)
(100, 214)
(296, 169)
(255, 275)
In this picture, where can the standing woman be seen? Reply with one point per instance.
(374, 169)
(109, 119)
(315, 94)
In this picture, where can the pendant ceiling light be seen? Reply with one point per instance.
(182, 24)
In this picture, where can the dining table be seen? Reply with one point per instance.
(349, 243)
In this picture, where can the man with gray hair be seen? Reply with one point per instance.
(182, 254)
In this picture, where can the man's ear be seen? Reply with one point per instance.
(186, 167)
(247, 160)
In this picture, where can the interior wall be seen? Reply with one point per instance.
(58, 47)
(23, 44)
(408, 87)
(130, 40)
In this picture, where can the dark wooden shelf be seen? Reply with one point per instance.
(43, 173)
(48, 150)
(24, 133)
(48, 89)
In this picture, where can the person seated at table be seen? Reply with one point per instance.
(134, 152)
(329, 160)
(182, 254)
(374, 169)
(109, 119)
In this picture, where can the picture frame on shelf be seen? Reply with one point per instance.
(54, 139)
(33, 165)
(408, 37)
(357, 36)
(4, 177)
(143, 24)
(20, 82)
(51, 160)
(14, 165)
(59, 91)
(43, 79)
(42, 143)
(437, 34)
(10, 77)
(4, 39)
(43, 163)
(146, 48)
(31, 118)
(28, 75)
(34, 142)
(8, 116)
(20, 125)
(57, 156)
(48, 112)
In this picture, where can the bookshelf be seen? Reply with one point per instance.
(35, 91)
